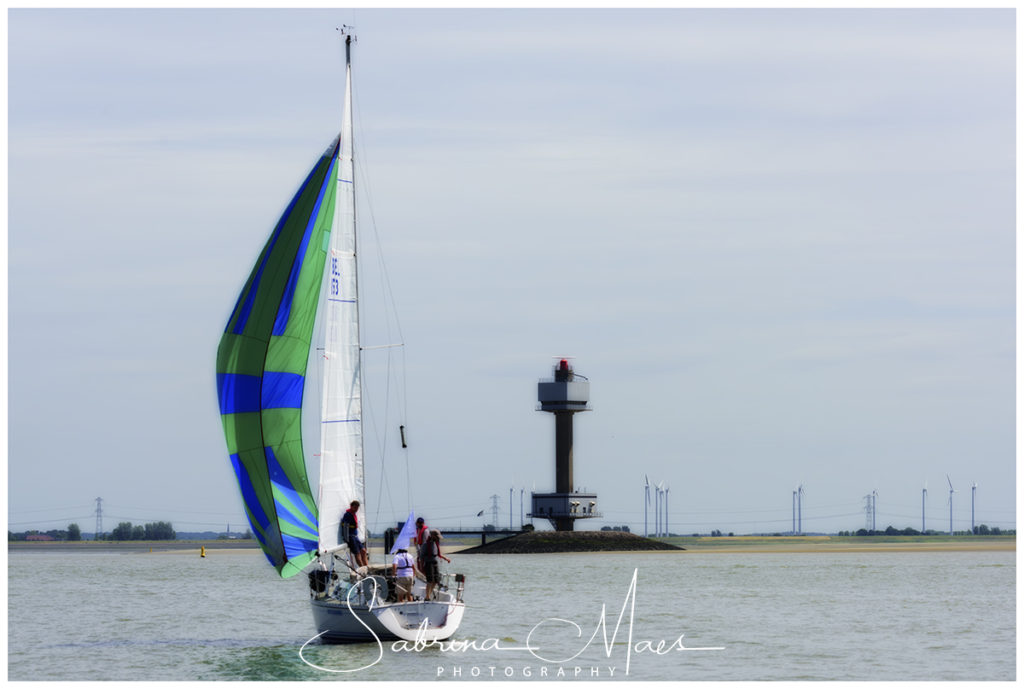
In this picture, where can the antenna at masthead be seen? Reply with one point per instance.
(348, 32)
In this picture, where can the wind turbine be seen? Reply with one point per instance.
(657, 511)
(924, 495)
(974, 489)
(951, 491)
(659, 506)
(794, 512)
(800, 508)
(874, 509)
(666, 512)
(647, 501)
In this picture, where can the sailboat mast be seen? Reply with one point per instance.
(349, 129)
(341, 446)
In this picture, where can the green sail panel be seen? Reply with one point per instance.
(261, 370)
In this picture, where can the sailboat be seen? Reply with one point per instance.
(307, 272)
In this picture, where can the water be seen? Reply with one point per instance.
(784, 616)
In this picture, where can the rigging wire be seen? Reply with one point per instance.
(53, 509)
(50, 521)
(390, 320)
(107, 506)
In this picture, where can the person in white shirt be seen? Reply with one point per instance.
(403, 566)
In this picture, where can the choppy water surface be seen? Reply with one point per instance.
(794, 616)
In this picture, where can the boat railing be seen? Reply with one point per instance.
(445, 586)
(373, 590)
(370, 591)
(320, 581)
(460, 586)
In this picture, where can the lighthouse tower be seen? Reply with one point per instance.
(565, 394)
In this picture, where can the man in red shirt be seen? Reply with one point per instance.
(351, 521)
(421, 538)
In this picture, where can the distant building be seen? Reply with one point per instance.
(39, 537)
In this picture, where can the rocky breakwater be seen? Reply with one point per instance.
(570, 542)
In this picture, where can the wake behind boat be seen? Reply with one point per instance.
(305, 277)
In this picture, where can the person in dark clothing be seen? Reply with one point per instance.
(421, 538)
(350, 534)
(431, 552)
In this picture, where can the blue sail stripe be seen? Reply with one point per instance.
(285, 511)
(285, 307)
(250, 294)
(250, 297)
(281, 390)
(255, 531)
(238, 302)
(252, 503)
(238, 393)
(253, 509)
(281, 482)
(297, 547)
(286, 516)
(342, 421)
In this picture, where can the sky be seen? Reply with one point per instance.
(779, 244)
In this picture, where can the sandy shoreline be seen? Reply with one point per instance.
(856, 548)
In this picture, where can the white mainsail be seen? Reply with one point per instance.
(341, 436)
(361, 609)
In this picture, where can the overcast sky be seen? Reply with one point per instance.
(780, 244)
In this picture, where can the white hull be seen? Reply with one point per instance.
(336, 622)
(364, 609)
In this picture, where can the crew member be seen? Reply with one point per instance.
(350, 533)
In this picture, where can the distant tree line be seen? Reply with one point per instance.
(623, 528)
(126, 531)
(983, 530)
(154, 531)
(72, 533)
